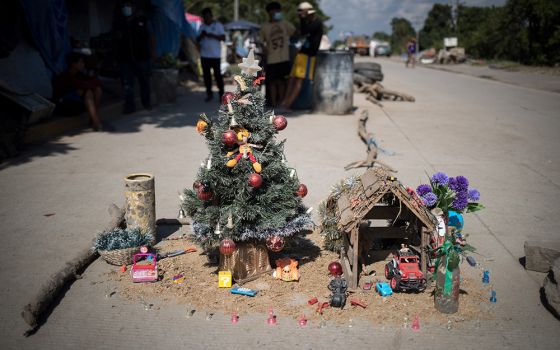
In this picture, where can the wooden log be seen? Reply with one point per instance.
(353, 282)
(425, 240)
(140, 208)
(372, 151)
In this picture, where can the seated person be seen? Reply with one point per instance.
(74, 92)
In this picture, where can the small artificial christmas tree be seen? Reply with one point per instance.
(244, 191)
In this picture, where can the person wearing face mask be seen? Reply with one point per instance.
(134, 45)
(275, 35)
(311, 30)
(210, 35)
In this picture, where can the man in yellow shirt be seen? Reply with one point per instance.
(304, 64)
(275, 36)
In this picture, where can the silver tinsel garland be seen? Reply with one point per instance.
(203, 232)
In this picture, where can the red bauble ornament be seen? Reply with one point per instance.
(275, 243)
(204, 195)
(227, 246)
(227, 97)
(302, 190)
(255, 180)
(335, 268)
(229, 138)
(280, 122)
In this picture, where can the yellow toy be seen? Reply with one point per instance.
(244, 150)
(224, 279)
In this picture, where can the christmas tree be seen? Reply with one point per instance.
(244, 191)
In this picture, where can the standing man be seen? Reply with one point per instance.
(134, 50)
(304, 64)
(276, 38)
(410, 52)
(210, 35)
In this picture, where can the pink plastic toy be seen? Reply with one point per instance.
(144, 270)
(415, 324)
(271, 318)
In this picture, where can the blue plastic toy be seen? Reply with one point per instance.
(243, 291)
(493, 297)
(486, 277)
(456, 220)
(383, 289)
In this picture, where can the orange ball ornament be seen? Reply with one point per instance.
(201, 126)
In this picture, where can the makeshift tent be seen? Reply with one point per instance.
(194, 20)
(241, 25)
(47, 23)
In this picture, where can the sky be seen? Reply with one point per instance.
(369, 16)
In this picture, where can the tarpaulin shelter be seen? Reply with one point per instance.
(241, 25)
(194, 20)
(47, 22)
(168, 24)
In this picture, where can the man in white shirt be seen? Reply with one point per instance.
(210, 35)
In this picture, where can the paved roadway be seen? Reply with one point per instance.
(504, 138)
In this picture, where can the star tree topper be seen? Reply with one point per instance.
(250, 66)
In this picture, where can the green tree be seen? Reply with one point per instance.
(438, 25)
(401, 32)
(244, 191)
(532, 31)
(381, 36)
(480, 30)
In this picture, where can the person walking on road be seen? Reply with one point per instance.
(411, 52)
(210, 35)
(134, 50)
(275, 35)
(311, 28)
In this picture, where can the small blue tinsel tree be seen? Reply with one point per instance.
(226, 200)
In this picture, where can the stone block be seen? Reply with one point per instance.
(552, 289)
(539, 255)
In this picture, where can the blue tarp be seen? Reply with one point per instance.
(168, 24)
(47, 22)
(241, 25)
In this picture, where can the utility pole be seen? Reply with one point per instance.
(236, 10)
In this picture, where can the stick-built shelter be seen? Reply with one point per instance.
(380, 197)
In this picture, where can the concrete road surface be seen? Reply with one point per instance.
(504, 138)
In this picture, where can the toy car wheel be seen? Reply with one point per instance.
(387, 272)
(422, 286)
(395, 284)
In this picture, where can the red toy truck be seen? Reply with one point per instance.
(404, 273)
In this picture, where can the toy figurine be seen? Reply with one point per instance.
(286, 270)
(338, 287)
(144, 272)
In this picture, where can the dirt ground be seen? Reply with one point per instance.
(199, 291)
